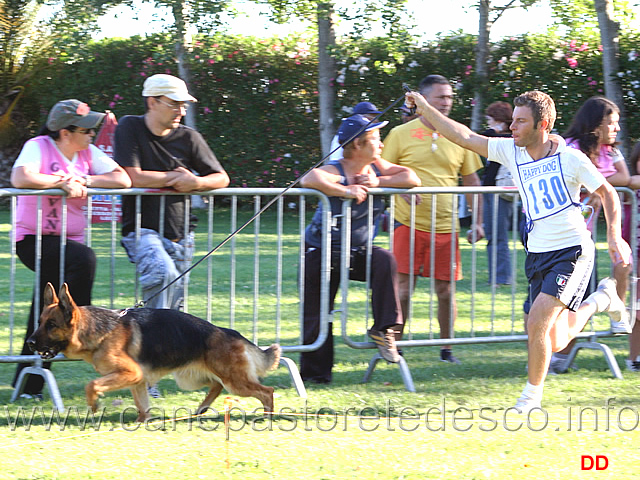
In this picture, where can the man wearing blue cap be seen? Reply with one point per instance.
(366, 109)
(361, 168)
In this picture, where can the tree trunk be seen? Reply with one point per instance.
(481, 75)
(326, 75)
(609, 36)
(181, 14)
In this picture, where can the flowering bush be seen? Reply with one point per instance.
(258, 105)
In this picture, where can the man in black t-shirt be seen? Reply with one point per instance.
(157, 151)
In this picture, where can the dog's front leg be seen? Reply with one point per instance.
(113, 381)
(141, 399)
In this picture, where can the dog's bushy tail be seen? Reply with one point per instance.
(271, 358)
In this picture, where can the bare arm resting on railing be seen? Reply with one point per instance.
(328, 180)
(180, 179)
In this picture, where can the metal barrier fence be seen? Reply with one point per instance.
(254, 283)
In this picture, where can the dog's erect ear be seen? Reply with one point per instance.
(66, 303)
(49, 295)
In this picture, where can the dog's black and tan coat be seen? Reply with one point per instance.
(133, 348)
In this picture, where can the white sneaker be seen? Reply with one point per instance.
(153, 391)
(633, 365)
(526, 404)
(558, 364)
(618, 315)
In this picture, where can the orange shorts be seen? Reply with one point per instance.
(422, 253)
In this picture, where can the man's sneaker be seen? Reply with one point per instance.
(633, 365)
(526, 404)
(32, 396)
(153, 391)
(618, 314)
(558, 364)
(447, 356)
(386, 343)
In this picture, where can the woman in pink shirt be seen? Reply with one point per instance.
(593, 131)
(63, 157)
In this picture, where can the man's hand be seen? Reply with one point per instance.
(357, 192)
(369, 180)
(183, 181)
(417, 101)
(479, 229)
(407, 198)
(620, 252)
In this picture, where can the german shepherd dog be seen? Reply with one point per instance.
(133, 348)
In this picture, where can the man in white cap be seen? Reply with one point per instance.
(157, 151)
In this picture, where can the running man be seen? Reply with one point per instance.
(560, 252)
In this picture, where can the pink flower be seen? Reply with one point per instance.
(82, 109)
(573, 63)
(112, 104)
(129, 65)
(277, 159)
(207, 110)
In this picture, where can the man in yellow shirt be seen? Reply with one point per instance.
(439, 163)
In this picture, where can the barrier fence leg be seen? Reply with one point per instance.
(404, 372)
(49, 380)
(294, 373)
(593, 345)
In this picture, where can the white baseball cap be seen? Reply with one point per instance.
(167, 85)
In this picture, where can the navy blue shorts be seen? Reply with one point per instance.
(563, 274)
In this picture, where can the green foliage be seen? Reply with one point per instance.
(258, 105)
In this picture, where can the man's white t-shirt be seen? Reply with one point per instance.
(550, 192)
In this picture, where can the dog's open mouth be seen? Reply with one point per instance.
(47, 354)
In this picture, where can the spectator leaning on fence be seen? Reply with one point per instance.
(157, 151)
(439, 163)
(367, 109)
(560, 251)
(593, 131)
(633, 361)
(351, 177)
(62, 156)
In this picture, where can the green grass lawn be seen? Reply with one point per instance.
(456, 426)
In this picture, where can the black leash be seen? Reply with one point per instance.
(142, 303)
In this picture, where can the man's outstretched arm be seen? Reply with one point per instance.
(450, 129)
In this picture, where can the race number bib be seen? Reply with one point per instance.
(544, 188)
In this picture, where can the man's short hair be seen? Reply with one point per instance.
(541, 105)
(430, 80)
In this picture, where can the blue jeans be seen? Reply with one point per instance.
(503, 254)
(159, 262)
